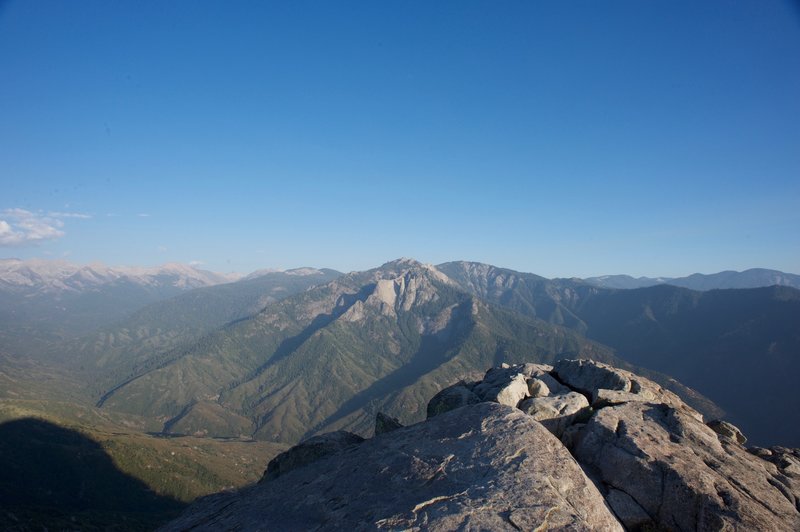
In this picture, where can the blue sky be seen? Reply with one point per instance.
(563, 138)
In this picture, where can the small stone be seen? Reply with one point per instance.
(537, 388)
(727, 430)
(535, 370)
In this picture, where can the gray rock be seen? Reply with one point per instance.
(786, 472)
(572, 434)
(628, 510)
(681, 474)
(788, 460)
(608, 386)
(727, 430)
(544, 385)
(534, 370)
(482, 467)
(586, 376)
(537, 388)
(556, 412)
(487, 466)
(602, 397)
(310, 451)
(384, 423)
(451, 398)
(506, 386)
(645, 390)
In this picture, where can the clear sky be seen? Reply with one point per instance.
(571, 138)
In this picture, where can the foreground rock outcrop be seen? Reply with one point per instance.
(488, 466)
(576, 446)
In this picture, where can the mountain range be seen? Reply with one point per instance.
(279, 356)
(381, 339)
(45, 303)
(719, 342)
(752, 278)
(238, 358)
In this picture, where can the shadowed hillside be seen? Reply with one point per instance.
(723, 343)
(56, 478)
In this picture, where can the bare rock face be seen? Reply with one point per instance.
(656, 462)
(681, 474)
(587, 376)
(608, 386)
(481, 467)
(787, 469)
(506, 386)
(556, 412)
(517, 451)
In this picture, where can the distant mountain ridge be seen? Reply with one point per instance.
(63, 276)
(752, 278)
(54, 276)
(718, 341)
(43, 302)
(329, 357)
(237, 358)
(164, 325)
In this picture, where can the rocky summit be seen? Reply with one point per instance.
(579, 445)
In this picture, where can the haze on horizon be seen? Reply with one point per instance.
(589, 139)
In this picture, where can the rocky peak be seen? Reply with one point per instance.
(579, 445)
(404, 267)
(401, 263)
(412, 287)
(397, 286)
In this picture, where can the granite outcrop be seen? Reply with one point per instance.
(579, 445)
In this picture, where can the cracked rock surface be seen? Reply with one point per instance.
(575, 446)
(482, 467)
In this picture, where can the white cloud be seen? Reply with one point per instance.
(194, 263)
(19, 227)
(78, 215)
(143, 215)
(162, 249)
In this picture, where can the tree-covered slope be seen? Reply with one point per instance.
(121, 351)
(723, 343)
(741, 348)
(332, 356)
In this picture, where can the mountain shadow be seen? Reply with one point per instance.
(54, 478)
